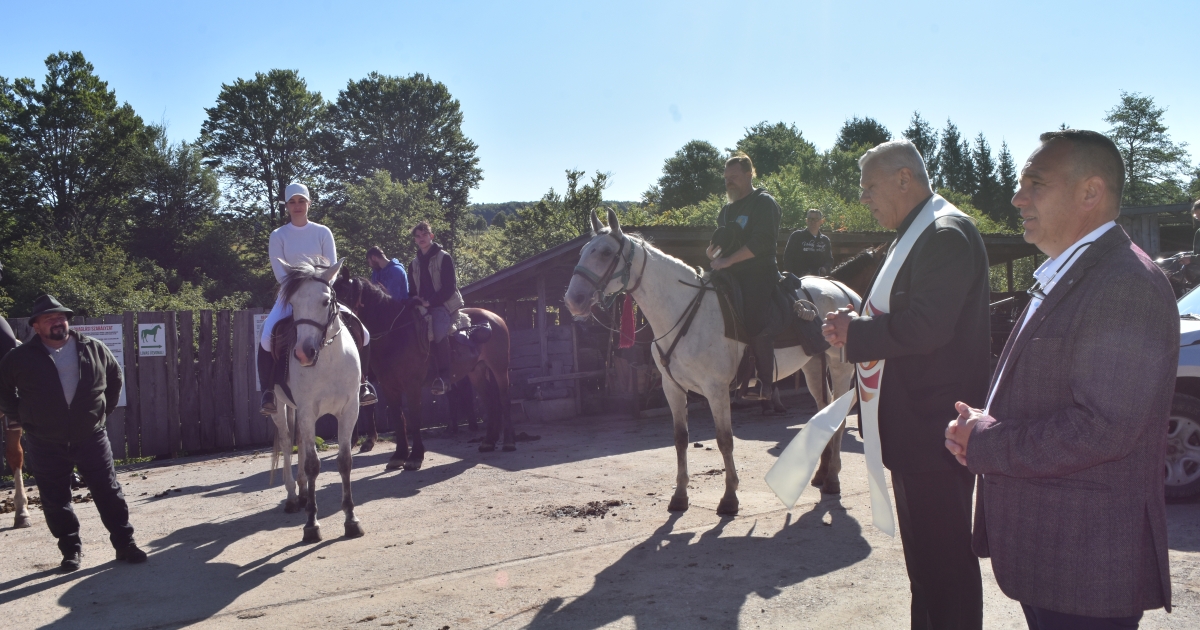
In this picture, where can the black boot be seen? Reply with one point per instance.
(266, 379)
(764, 359)
(366, 393)
(441, 358)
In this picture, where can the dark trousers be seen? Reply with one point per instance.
(758, 286)
(934, 513)
(51, 465)
(1042, 619)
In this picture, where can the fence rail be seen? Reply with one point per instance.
(199, 395)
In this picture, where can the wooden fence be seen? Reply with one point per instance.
(201, 396)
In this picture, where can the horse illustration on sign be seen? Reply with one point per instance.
(151, 333)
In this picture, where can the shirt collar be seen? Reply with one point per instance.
(911, 217)
(1054, 268)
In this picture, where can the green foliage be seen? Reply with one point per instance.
(381, 211)
(695, 171)
(1153, 163)
(772, 147)
(410, 127)
(925, 138)
(105, 282)
(262, 135)
(482, 253)
(860, 134)
(955, 170)
(71, 156)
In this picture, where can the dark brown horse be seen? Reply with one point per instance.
(400, 361)
(858, 271)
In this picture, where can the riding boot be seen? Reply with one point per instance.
(441, 357)
(366, 393)
(266, 379)
(764, 359)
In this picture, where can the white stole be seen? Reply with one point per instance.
(795, 466)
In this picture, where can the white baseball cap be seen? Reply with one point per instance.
(294, 189)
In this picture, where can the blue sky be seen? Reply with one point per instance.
(620, 86)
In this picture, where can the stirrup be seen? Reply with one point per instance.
(439, 386)
(268, 403)
(762, 392)
(366, 395)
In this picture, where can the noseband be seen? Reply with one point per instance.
(333, 313)
(599, 282)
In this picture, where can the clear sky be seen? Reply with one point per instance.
(620, 86)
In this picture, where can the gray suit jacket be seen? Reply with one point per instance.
(1070, 505)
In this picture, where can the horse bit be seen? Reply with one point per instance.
(599, 282)
(333, 313)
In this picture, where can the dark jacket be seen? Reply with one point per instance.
(806, 254)
(1070, 506)
(31, 392)
(758, 214)
(442, 291)
(936, 341)
(393, 278)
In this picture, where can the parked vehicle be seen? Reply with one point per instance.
(1183, 432)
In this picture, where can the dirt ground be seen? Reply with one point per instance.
(506, 540)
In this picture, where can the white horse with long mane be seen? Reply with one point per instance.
(703, 359)
(328, 386)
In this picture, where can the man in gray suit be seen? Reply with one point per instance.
(1070, 444)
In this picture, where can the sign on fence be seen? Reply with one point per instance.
(259, 320)
(111, 335)
(151, 341)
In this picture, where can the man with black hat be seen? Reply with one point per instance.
(61, 389)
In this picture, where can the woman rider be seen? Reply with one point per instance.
(293, 243)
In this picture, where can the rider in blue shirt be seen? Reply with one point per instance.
(389, 274)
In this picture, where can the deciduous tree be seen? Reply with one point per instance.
(772, 147)
(1154, 163)
(858, 133)
(695, 171)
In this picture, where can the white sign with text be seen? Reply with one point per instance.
(111, 335)
(152, 340)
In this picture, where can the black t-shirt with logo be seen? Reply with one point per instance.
(806, 254)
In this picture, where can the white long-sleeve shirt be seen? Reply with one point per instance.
(293, 244)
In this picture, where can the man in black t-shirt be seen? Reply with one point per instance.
(753, 264)
(809, 252)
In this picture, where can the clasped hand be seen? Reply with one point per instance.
(958, 433)
(837, 325)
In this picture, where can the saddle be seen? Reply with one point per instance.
(467, 336)
(793, 319)
(283, 341)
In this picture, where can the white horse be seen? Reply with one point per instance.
(703, 359)
(318, 387)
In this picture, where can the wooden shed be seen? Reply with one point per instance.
(1159, 229)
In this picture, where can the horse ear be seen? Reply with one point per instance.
(596, 225)
(613, 222)
(329, 274)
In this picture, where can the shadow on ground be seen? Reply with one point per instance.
(679, 580)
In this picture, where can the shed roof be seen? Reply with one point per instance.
(556, 264)
(1171, 208)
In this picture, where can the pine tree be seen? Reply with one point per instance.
(925, 138)
(954, 162)
(986, 195)
(1007, 176)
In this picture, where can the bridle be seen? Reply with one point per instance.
(333, 314)
(601, 281)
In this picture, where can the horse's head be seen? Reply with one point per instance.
(605, 266)
(308, 288)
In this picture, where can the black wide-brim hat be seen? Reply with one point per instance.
(46, 303)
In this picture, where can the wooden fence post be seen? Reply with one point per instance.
(133, 400)
(152, 372)
(207, 395)
(242, 332)
(222, 382)
(189, 403)
(174, 442)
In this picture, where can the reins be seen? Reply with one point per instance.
(333, 313)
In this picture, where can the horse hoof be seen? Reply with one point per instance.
(354, 529)
(486, 448)
(291, 507)
(678, 504)
(728, 507)
(366, 446)
(831, 487)
(413, 464)
(312, 534)
(395, 464)
(508, 448)
(21, 522)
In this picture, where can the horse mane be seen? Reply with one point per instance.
(851, 268)
(648, 244)
(300, 273)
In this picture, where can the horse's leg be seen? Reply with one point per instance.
(395, 402)
(677, 401)
(718, 401)
(16, 461)
(367, 418)
(412, 401)
(814, 378)
(311, 466)
(346, 423)
(283, 435)
(510, 434)
(831, 457)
